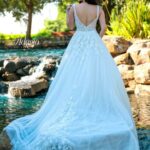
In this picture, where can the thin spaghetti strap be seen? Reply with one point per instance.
(97, 11)
(74, 9)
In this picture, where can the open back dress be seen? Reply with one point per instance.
(86, 106)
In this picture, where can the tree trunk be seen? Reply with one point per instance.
(29, 25)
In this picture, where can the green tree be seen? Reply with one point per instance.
(58, 25)
(20, 8)
(3, 6)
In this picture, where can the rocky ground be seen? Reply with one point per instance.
(133, 62)
(25, 77)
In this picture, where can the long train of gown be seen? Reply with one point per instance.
(86, 106)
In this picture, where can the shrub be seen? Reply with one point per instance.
(132, 21)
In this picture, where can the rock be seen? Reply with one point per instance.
(21, 72)
(142, 73)
(123, 59)
(140, 52)
(132, 84)
(32, 70)
(144, 111)
(2, 71)
(49, 68)
(9, 66)
(3, 87)
(26, 69)
(35, 75)
(144, 56)
(142, 90)
(50, 59)
(116, 44)
(134, 106)
(130, 90)
(27, 88)
(20, 62)
(1, 63)
(24, 61)
(127, 73)
(10, 76)
(4, 141)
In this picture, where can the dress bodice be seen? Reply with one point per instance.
(81, 26)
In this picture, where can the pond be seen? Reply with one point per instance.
(12, 108)
(30, 52)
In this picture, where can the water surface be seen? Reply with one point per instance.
(30, 53)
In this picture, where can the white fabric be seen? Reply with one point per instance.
(86, 106)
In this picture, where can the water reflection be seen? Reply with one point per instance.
(12, 108)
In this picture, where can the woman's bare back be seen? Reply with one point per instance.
(86, 13)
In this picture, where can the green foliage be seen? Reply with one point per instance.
(132, 20)
(58, 25)
(42, 34)
(19, 8)
(11, 36)
(2, 6)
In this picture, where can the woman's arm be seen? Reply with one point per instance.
(102, 22)
(70, 17)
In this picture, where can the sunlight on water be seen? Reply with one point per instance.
(31, 53)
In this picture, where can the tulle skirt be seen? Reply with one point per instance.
(86, 106)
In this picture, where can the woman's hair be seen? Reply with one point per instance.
(93, 2)
(80, 1)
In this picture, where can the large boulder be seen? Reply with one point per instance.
(144, 111)
(21, 72)
(20, 62)
(1, 63)
(26, 69)
(4, 141)
(123, 59)
(9, 66)
(49, 68)
(24, 61)
(27, 88)
(140, 52)
(116, 44)
(10, 76)
(142, 73)
(142, 90)
(127, 73)
(134, 106)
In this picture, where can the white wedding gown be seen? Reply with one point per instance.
(86, 107)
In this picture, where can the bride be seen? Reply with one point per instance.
(86, 106)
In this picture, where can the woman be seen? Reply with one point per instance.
(86, 107)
